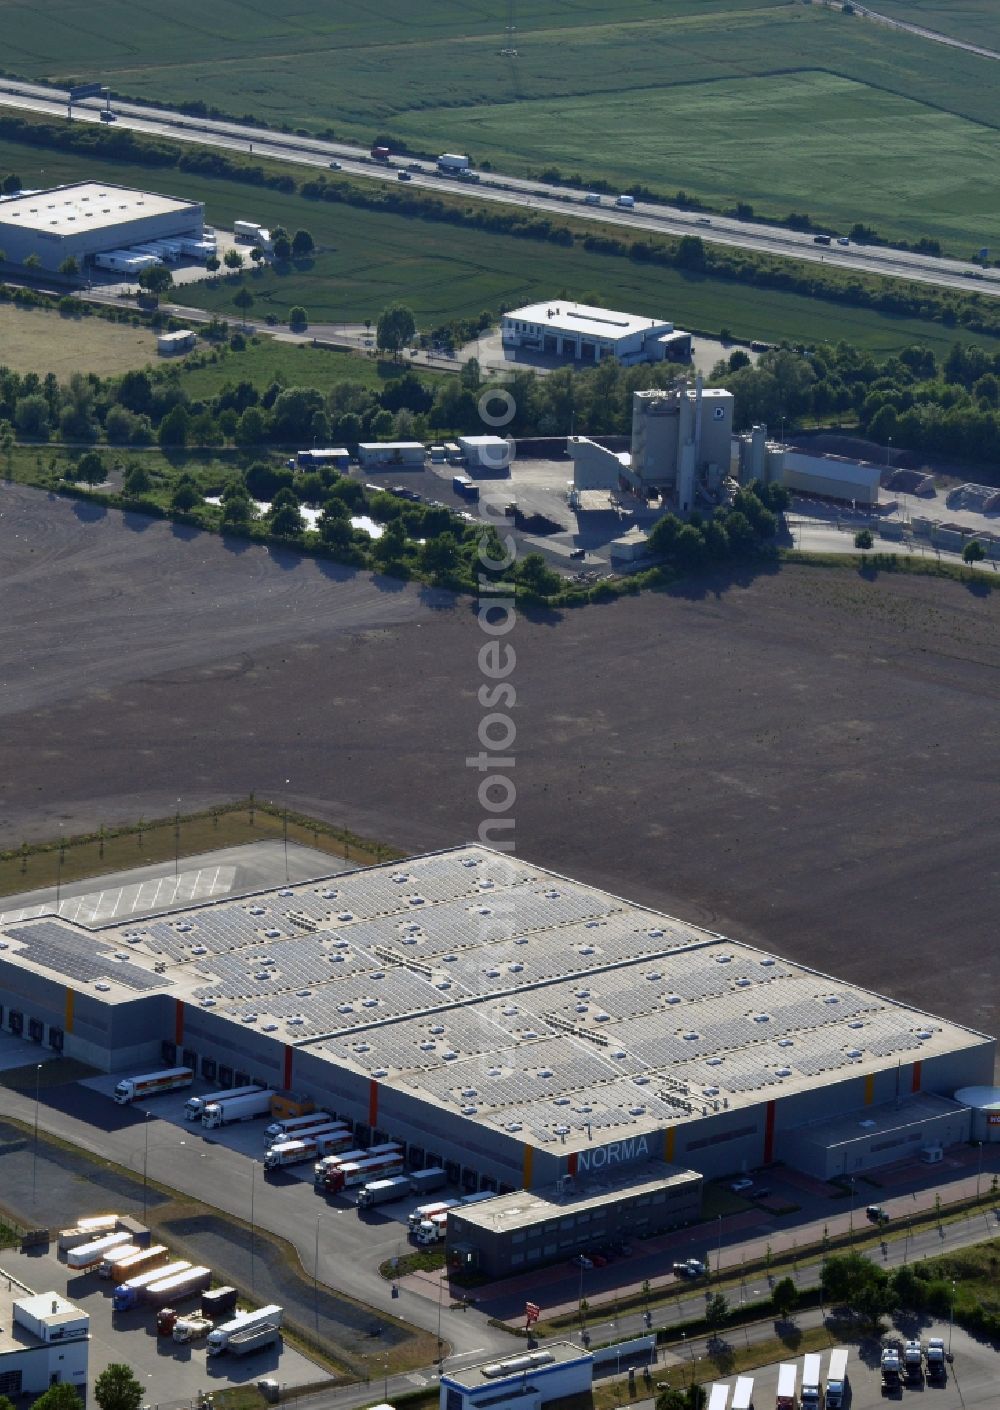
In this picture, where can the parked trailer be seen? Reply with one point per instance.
(109, 1260)
(86, 1231)
(836, 1379)
(129, 1294)
(218, 1302)
(718, 1398)
(152, 1084)
(90, 1255)
(292, 1125)
(253, 1339)
(422, 1182)
(787, 1380)
(120, 1269)
(425, 1211)
(195, 1106)
(245, 1108)
(335, 1158)
(743, 1393)
(287, 1106)
(175, 1289)
(362, 1172)
(480, 1197)
(218, 1339)
(305, 1148)
(246, 230)
(383, 1192)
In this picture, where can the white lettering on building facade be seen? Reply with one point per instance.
(616, 1153)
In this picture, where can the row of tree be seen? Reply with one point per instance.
(116, 1388)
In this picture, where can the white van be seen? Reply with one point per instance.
(626, 203)
(592, 199)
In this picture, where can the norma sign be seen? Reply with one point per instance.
(84, 90)
(616, 1153)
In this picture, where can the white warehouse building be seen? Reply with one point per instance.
(44, 1341)
(588, 334)
(87, 218)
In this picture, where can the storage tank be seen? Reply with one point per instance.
(984, 1103)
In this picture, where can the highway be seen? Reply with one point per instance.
(645, 216)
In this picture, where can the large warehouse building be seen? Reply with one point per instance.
(509, 1023)
(88, 218)
(588, 334)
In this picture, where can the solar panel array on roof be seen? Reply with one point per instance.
(76, 955)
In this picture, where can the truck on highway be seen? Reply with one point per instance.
(129, 1294)
(191, 1328)
(362, 1172)
(90, 1255)
(423, 1182)
(295, 1125)
(380, 153)
(269, 1316)
(836, 1379)
(453, 163)
(120, 1269)
(809, 1396)
(177, 1287)
(152, 1084)
(625, 203)
(245, 1108)
(425, 1211)
(195, 1106)
(383, 1191)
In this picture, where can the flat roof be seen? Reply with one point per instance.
(532, 1005)
(589, 320)
(877, 1120)
(16, 1337)
(87, 205)
(505, 1368)
(523, 1208)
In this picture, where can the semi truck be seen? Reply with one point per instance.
(152, 1084)
(380, 153)
(293, 1152)
(362, 1172)
(218, 1339)
(335, 1156)
(120, 1269)
(809, 1396)
(836, 1379)
(247, 230)
(253, 1339)
(90, 1255)
(423, 1182)
(294, 1125)
(891, 1369)
(432, 1230)
(787, 1380)
(129, 1294)
(935, 1358)
(191, 1328)
(383, 1191)
(913, 1363)
(177, 1287)
(124, 1251)
(195, 1106)
(425, 1211)
(245, 1108)
(451, 163)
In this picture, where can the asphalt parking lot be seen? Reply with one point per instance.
(171, 1372)
(972, 1380)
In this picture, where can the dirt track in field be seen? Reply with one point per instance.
(806, 760)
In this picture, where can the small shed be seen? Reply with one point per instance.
(169, 344)
(631, 547)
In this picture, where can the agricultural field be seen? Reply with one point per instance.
(37, 340)
(266, 360)
(779, 103)
(368, 259)
(973, 21)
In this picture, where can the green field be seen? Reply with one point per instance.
(367, 259)
(974, 21)
(776, 102)
(294, 364)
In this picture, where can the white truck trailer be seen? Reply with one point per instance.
(451, 163)
(294, 1126)
(425, 1211)
(244, 1108)
(195, 1106)
(218, 1339)
(836, 1379)
(92, 1255)
(152, 1084)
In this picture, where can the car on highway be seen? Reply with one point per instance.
(335, 166)
(842, 240)
(578, 553)
(875, 1214)
(403, 176)
(690, 1268)
(743, 1183)
(413, 166)
(582, 1261)
(703, 220)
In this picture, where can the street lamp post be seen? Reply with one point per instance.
(979, 1170)
(34, 1156)
(951, 1313)
(285, 829)
(177, 838)
(253, 1183)
(851, 1224)
(439, 1325)
(718, 1256)
(145, 1162)
(316, 1269)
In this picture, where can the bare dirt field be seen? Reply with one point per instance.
(805, 759)
(36, 340)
